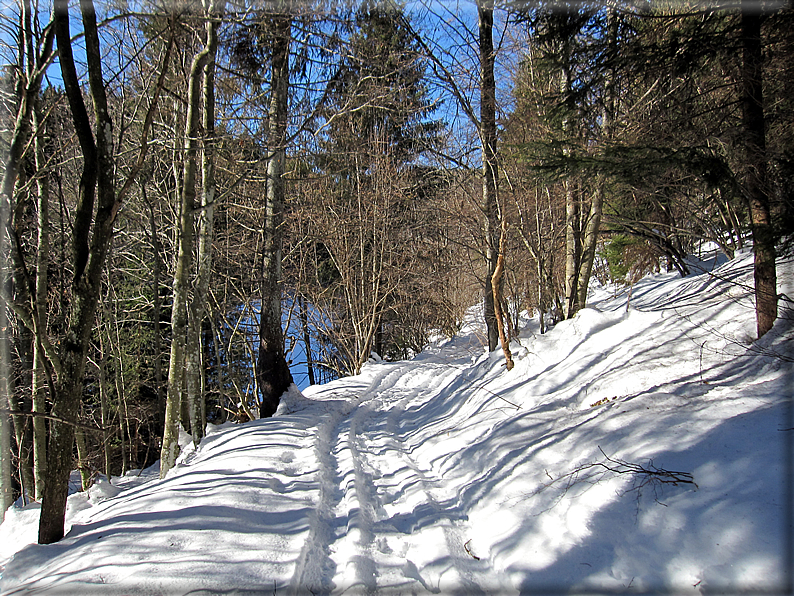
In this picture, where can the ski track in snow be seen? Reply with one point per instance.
(447, 475)
(372, 513)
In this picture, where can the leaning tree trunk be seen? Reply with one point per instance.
(272, 370)
(756, 184)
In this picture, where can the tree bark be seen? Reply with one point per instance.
(39, 377)
(89, 252)
(104, 407)
(573, 232)
(756, 184)
(181, 285)
(589, 243)
(198, 305)
(307, 340)
(489, 165)
(573, 249)
(6, 484)
(272, 370)
(496, 284)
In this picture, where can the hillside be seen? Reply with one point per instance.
(635, 450)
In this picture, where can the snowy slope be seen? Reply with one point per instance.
(449, 474)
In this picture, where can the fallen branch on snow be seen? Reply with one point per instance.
(643, 476)
(648, 474)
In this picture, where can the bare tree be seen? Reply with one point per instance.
(177, 377)
(89, 253)
(33, 59)
(756, 184)
(198, 304)
(97, 207)
(272, 371)
(444, 61)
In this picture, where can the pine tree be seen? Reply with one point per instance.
(377, 122)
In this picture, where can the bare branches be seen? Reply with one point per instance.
(642, 476)
(81, 425)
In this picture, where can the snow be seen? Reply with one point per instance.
(450, 474)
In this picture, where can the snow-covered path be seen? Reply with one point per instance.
(328, 497)
(449, 474)
(384, 513)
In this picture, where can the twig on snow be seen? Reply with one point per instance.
(468, 550)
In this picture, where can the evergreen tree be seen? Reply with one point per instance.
(377, 123)
(378, 102)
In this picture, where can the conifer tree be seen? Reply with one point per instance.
(377, 122)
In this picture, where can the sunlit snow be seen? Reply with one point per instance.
(450, 474)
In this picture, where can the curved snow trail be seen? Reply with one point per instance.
(386, 521)
(445, 474)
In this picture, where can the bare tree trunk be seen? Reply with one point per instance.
(90, 251)
(31, 67)
(82, 459)
(121, 407)
(181, 284)
(541, 295)
(307, 340)
(39, 377)
(198, 305)
(6, 484)
(573, 239)
(573, 249)
(27, 90)
(220, 368)
(272, 370)
(496, 283)
(104, 408)
(489, 164)
(91, 235)
(589, 243)
(756, 183)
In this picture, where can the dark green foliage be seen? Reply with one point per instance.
(615, 254)
(378, 101)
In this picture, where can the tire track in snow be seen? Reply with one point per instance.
(353, 541)
(376, 437)
(470, 572)
(316, 565)
(360, 504)
(358, 507)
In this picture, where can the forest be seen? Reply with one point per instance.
(204, 202)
